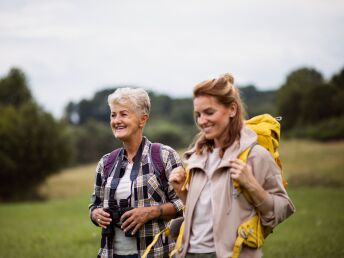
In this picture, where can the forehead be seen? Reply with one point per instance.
(204, 102)
(121, 107)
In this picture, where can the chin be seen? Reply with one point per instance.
(120, 137)
(209, 136)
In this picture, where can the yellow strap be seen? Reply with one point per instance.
(237, 246)
(179, 241)
(242, 157)
(240, 240)
(174, 251)
(187, 179)
(167, 229)
(181, 230)
(156, 237)
(180, 236)
(260, 241)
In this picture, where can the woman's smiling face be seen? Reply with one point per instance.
(125, 122)
(212, 117)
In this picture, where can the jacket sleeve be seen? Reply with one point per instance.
(172, 160)
(97, 197)
(277, 206)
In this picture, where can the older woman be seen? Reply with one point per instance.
(130, 202)
(214, 207)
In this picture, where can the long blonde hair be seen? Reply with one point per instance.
(224, 91)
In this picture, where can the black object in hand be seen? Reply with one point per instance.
(116, 212)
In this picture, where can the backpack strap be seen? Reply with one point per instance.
(159, 164)
(156, 160)
(110, 162)
(250, 232)
(243, 156)
(187, 179)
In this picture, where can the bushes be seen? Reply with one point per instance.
(92, 140)
(331, 129)
(312, 107)
(170, 134)
(33, 146)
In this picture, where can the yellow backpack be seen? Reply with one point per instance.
(251, 232)
(268, 130)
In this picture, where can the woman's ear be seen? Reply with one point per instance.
(233, 109)
(143, 120)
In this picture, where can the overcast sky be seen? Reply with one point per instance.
(70, 49)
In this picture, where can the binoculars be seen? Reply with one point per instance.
(116, 211)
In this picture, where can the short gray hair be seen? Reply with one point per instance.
(138, 98)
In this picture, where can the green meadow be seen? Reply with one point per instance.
(60, 227)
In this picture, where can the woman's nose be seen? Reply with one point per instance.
(115, 120)
(201, 120)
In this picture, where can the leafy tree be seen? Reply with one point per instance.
(326, 130)
(258, 102)
(14, 90)
(92, 140)
(292, 93)
(317, 105)
(182, 112)
(337, 81)
(167, 133)
(161, 106)
(171, 121)
(95, 108)
(33, 145)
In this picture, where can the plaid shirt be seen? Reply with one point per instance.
(146, 192)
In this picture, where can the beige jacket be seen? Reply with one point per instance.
(230, 208)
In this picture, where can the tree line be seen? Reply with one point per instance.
(35, 145)
(171, 120)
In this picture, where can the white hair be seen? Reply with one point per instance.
(137, 98)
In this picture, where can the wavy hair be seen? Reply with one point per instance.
(136, 98)
(224, 91)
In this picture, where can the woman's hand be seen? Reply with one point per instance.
(135, 218)
(101, 217)
(177, 180)
(242, 173)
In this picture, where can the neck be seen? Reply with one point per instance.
(131, 146)
(218, 143)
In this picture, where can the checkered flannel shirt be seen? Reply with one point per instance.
(146, 192)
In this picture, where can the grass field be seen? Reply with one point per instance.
(308, 163)
(60, 227)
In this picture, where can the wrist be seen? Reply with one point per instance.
(92, 213)
(252, 185)
(161, 212)
(155, 212)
